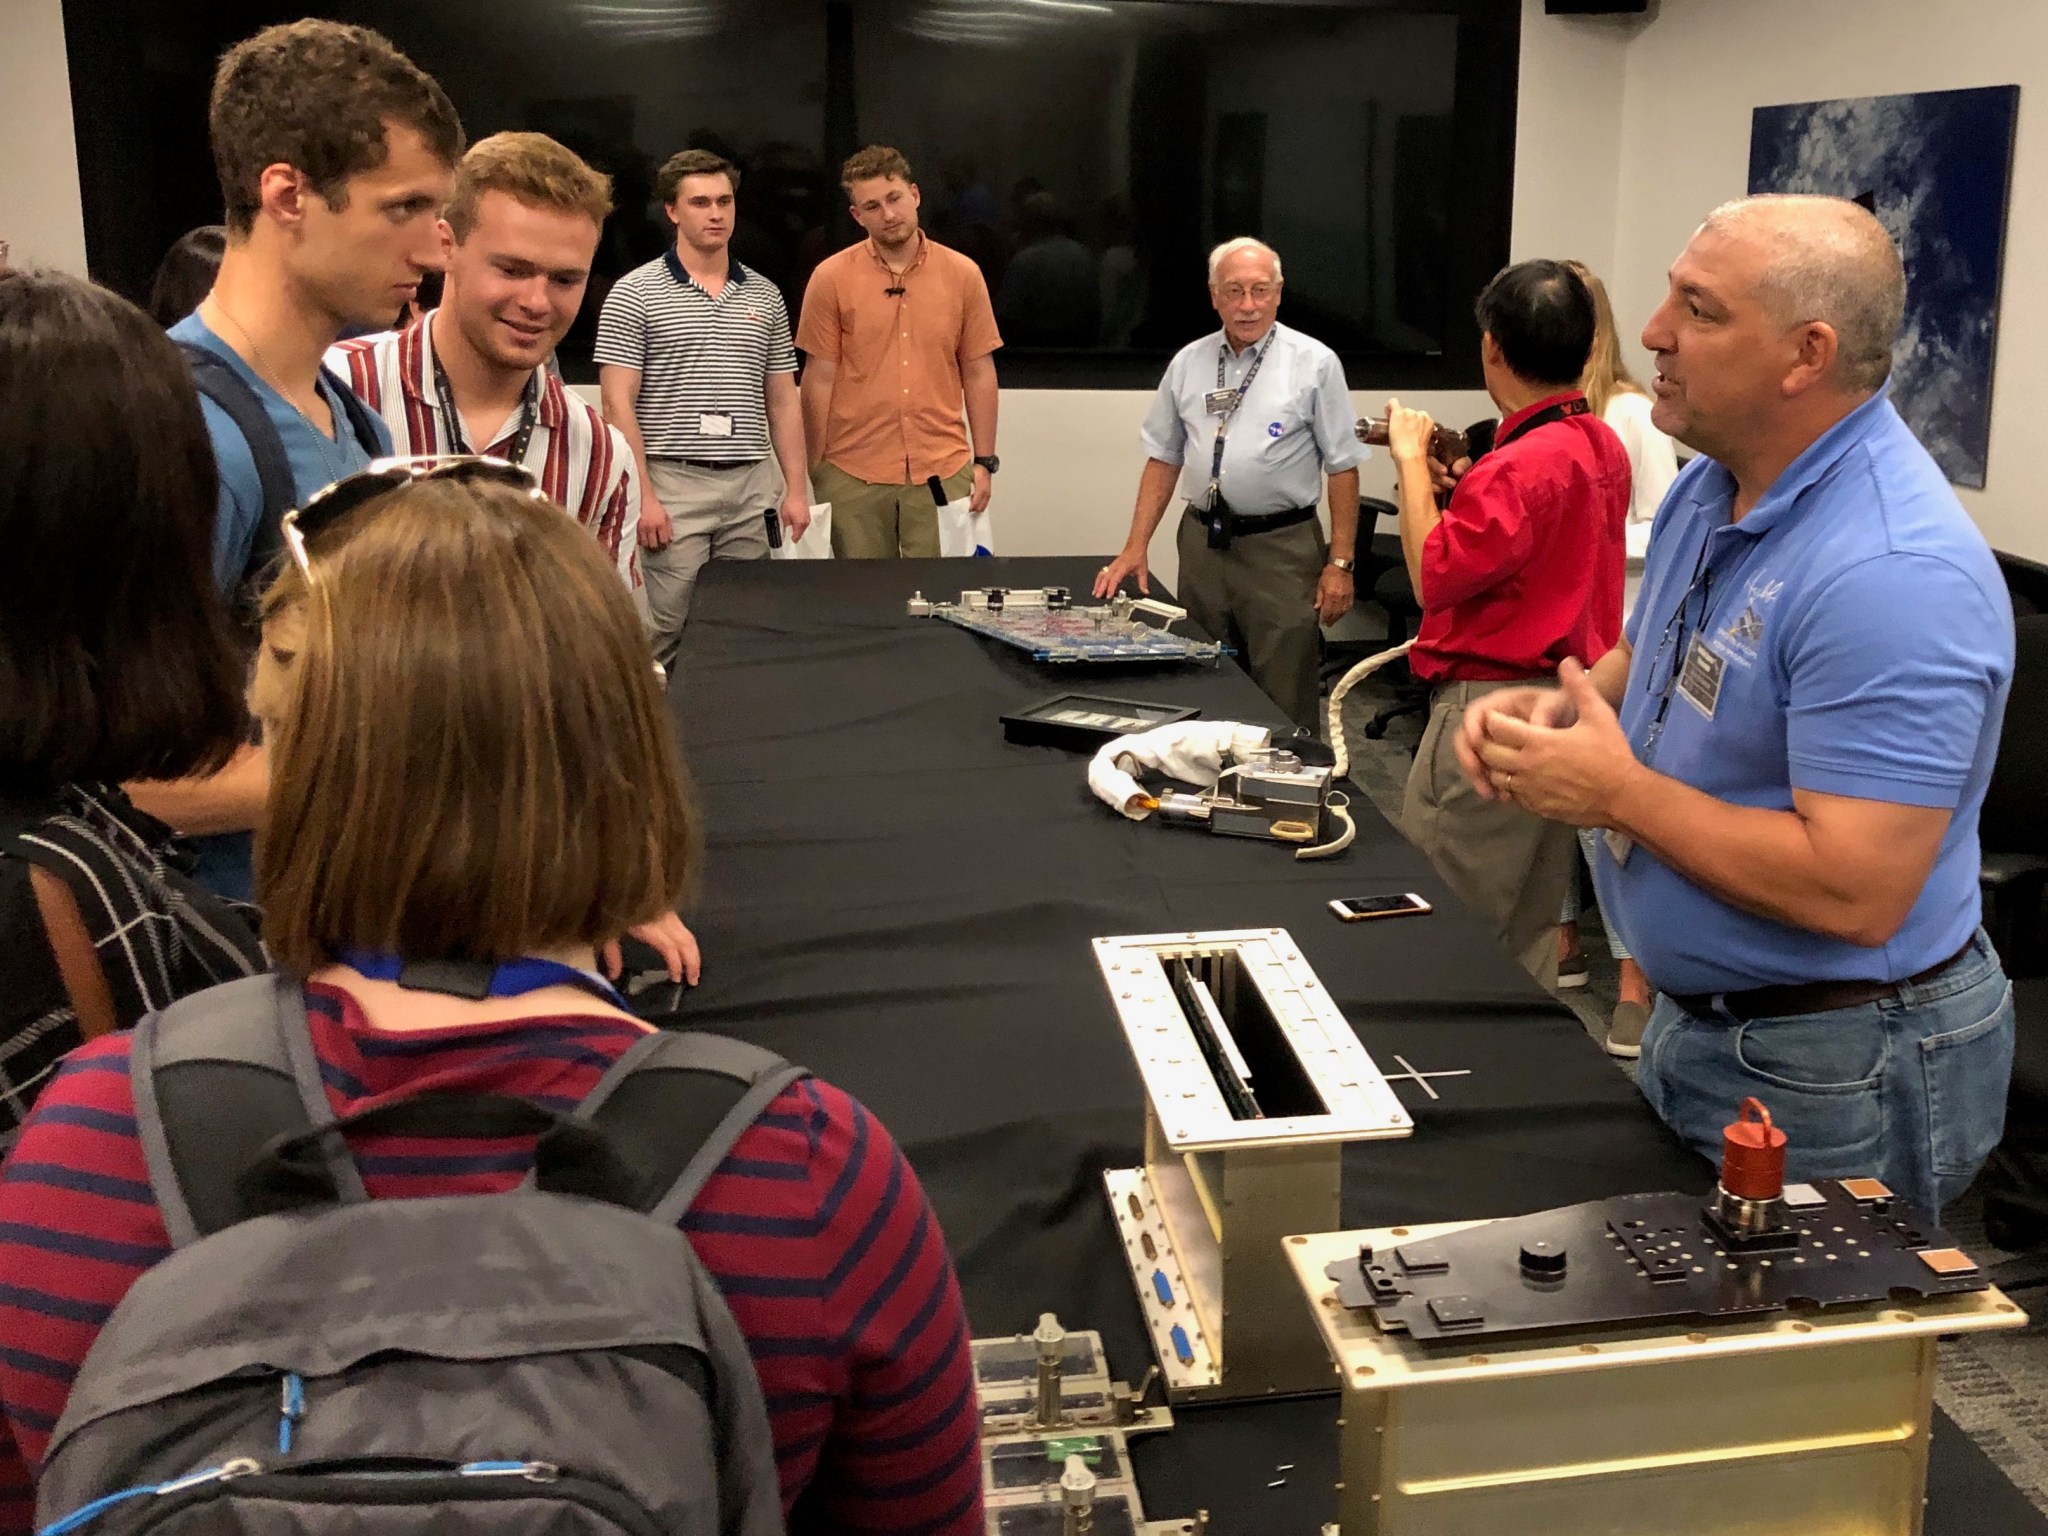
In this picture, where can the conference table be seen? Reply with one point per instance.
(902, 901)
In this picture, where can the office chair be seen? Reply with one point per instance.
(1382, 576)
(2014, 1182)
(1396, 595)
(2013, 832)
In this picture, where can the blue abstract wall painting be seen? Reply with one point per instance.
(1936, 168)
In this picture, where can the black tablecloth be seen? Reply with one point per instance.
(902, 901)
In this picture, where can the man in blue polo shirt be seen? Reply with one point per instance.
(1810, 692)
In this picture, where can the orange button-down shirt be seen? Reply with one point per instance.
(898, 414)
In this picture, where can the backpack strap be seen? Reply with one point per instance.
(78, 962)
(218, 380)
(79, 970)
(673, 1105)
(217, 1076)
(362, 421)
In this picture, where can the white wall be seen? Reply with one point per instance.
(1568, 135)
(40, 217)
(1696, 71)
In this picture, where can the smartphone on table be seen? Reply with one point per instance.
(1357, 909)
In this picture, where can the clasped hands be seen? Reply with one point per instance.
(1559, 753)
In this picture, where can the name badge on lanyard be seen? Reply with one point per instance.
(1699, 682)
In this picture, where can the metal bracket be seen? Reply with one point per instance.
(1254, 1082)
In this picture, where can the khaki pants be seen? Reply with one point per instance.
(1259, 597)
(717, 514)
(885, 522)
(1509, 866)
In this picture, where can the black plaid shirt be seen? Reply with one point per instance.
(160, 936)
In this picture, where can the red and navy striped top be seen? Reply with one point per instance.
(814, 1227)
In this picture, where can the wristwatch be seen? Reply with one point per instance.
(1344, 565)
(988, 461)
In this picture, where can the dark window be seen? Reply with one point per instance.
(1087, 153)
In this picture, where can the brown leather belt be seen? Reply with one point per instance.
(1796, 998)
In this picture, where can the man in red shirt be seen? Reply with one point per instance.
(1522, 568)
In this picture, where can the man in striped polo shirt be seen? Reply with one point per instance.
(520, 231)
(699, 372)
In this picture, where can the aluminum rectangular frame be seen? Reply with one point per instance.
(1203, 1220)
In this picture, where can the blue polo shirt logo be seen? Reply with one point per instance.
(1745, 632)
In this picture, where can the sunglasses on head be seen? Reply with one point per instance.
(326, 508)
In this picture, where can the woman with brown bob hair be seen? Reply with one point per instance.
(470, 755)
(471, 762)
(116, 663)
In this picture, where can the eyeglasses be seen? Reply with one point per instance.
(328, 507)
(1258, 291)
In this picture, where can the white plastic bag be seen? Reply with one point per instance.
(962, 532)
(816, 544)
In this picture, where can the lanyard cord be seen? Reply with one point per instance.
(1674, 637)
(479, 979)
(1237, 399)
(529, 414)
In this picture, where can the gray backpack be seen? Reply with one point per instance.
(554, 1360)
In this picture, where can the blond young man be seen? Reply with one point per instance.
(898, 335)
(518, 237)
(698, 372)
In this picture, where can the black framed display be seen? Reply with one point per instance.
(1086, 154)
(1082, 722)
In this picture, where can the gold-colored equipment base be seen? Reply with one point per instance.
(1812, 1424)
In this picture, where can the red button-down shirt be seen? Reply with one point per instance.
(1526, 566)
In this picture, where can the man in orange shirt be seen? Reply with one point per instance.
(896, 332)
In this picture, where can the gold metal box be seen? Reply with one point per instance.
(1809, 1424)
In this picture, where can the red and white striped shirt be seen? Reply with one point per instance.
(581, 463)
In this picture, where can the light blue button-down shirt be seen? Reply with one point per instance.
(1295, 426)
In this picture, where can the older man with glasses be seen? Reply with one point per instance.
(1787, 768)
(1248, 423)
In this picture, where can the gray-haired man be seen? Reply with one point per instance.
(1248, 423)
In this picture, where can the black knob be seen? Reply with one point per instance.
(1543, 1260)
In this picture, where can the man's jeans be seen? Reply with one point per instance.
(1910, 1090)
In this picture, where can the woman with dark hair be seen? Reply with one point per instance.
(185, 275)
(116, 663)
(474, 787)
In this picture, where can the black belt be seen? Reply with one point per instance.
(1442, 685)
(1244, 524)
(1801, 997)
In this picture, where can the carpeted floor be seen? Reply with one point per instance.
(1994, 1385)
